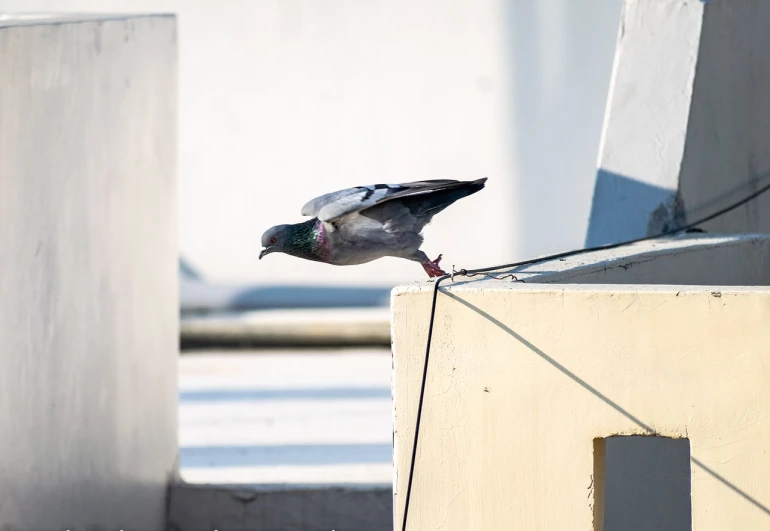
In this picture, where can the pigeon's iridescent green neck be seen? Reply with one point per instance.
(308, 240)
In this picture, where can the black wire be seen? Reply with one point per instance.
(474, 272)
(422, 395)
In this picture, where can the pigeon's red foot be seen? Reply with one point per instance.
(433, 269)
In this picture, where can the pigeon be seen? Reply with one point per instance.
(364, 223)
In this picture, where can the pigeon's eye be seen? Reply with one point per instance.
(272, 240)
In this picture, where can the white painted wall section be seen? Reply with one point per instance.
(687, 122)
(88, 272)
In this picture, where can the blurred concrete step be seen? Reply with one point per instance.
(291, 508)
(199, 297)
(322, 327)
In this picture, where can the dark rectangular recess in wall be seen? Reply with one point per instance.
(642, 483)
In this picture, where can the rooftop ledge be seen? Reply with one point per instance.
(692, 259)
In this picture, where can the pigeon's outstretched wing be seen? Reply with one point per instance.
(421, 198)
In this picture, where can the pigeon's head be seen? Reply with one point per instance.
(277, 239)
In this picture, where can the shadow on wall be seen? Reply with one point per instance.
(621, 209)
(199, 296)
(624, 208)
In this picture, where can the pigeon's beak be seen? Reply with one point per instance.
(265, 251)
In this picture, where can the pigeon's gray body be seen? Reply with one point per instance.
(361, 224)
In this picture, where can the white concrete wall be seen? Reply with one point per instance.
(88, 272)
(524, 377)
(282, 100)
(688, 119)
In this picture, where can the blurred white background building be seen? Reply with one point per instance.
(282, 100)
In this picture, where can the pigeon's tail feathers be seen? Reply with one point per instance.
(431, 203)
(340, 203)
(442, 198)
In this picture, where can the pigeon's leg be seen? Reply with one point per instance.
(432, 267)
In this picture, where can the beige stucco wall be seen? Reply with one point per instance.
(88, 272)
(524, 377)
